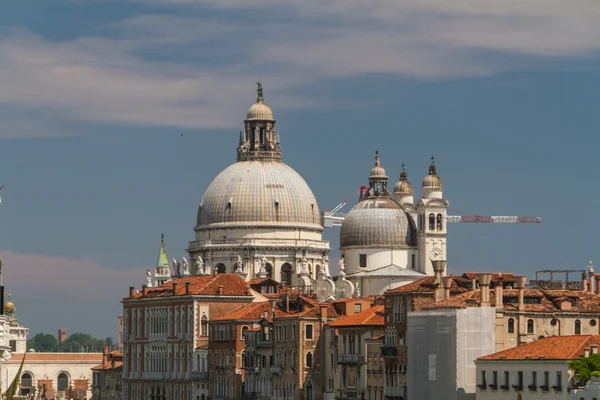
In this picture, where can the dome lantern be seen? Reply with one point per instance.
(378, 179)
(259, 140)
(403, 189)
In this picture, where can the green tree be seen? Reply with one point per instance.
(583, 368)
(43, 342)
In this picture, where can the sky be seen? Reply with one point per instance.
(116, 115)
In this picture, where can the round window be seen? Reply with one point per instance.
(553, 322)
(592, 322)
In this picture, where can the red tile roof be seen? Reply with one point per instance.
(57, 357)
(549, 348)
(232, 285)
(425, 285)
(250, 311)
(373, 316)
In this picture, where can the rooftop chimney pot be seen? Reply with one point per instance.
(220, 290)
(187, 287)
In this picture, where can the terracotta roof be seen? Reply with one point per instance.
(549, 348)
(463, 300)
(118, 365)
(260, 281)
(425, 285)
(54, 357)
(354, 299)
(250, 311)
(232, 285)
(373, 316)
(496, 277)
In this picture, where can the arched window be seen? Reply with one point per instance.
(286, 274)
(431, 222)
(244, 330)
(530, 326)
(26, 380)
(204, 326)
(62, 382)
(439, 222)
(309, 391)
(309, 360)
(269, 269)
(511, 326)
(221, 269)
(577, 327)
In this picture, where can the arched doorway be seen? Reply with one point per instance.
(62, 383)
(221, 269)
(286, 274)
(309, 391)
(26, 383)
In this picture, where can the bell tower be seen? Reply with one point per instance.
(432, 210)
(259, 140)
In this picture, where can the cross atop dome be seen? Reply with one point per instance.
(432, 170)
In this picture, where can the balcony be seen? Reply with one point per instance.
(394, 391)
(276, 369)
(389, 351)
(200, 375)
(351, 359)
(264, 343)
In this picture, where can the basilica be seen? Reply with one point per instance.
(259, 219)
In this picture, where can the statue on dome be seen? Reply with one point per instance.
(262, 272)
(303, 266)
(341, 264)
(325, 266)
(259, 92)
(176, 268)
(200, 267)
(239, 265)
(185, 265)
(148, 278)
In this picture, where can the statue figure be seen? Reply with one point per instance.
(200, 267)
(341, 264)
(148, 278)
(239, 265)
(185, 265)
(325, 267)
(262, 272)
(303, 266)
(176, 268)
(259, 92)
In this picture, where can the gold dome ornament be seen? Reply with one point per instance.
(9, 307)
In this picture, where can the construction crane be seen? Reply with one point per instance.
(333, 218)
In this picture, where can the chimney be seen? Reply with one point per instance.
(215, 272)
(131, 291)
(323, 308)
(473, 283)
(220, 290)
(521, 281)
(105, 355)
(584, 284)
(447, 282)
(144, 290)
(591, 277)
(484, 287)
(499, 295)
(272, 303)
(187, 287)
(597, 283)
(594, 349)
(439, 267)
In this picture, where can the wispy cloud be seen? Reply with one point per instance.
(55, 282)
(193, 72)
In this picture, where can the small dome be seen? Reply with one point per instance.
(9, 307)
(403, 186)
(432, 181)
(378, 172)
(378, 222)
(260, 111)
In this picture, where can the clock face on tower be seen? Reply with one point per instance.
(436, 252)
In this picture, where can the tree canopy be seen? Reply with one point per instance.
(586, 367)
(76, 343)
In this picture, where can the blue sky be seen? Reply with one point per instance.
(116, 115)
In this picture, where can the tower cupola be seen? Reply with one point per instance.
(403, 190)
(259, 140)
(432, 183)
(378, 179)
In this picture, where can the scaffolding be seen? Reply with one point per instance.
(542, 282)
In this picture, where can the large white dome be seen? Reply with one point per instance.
(258, 193)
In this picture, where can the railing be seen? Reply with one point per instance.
(196, 244)
(389, 351)
(276, 369)
(394, 391)
(351, 359)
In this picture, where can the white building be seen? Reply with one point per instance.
(258, 217)
(536, 370)
(442, 346)
(386, 240)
